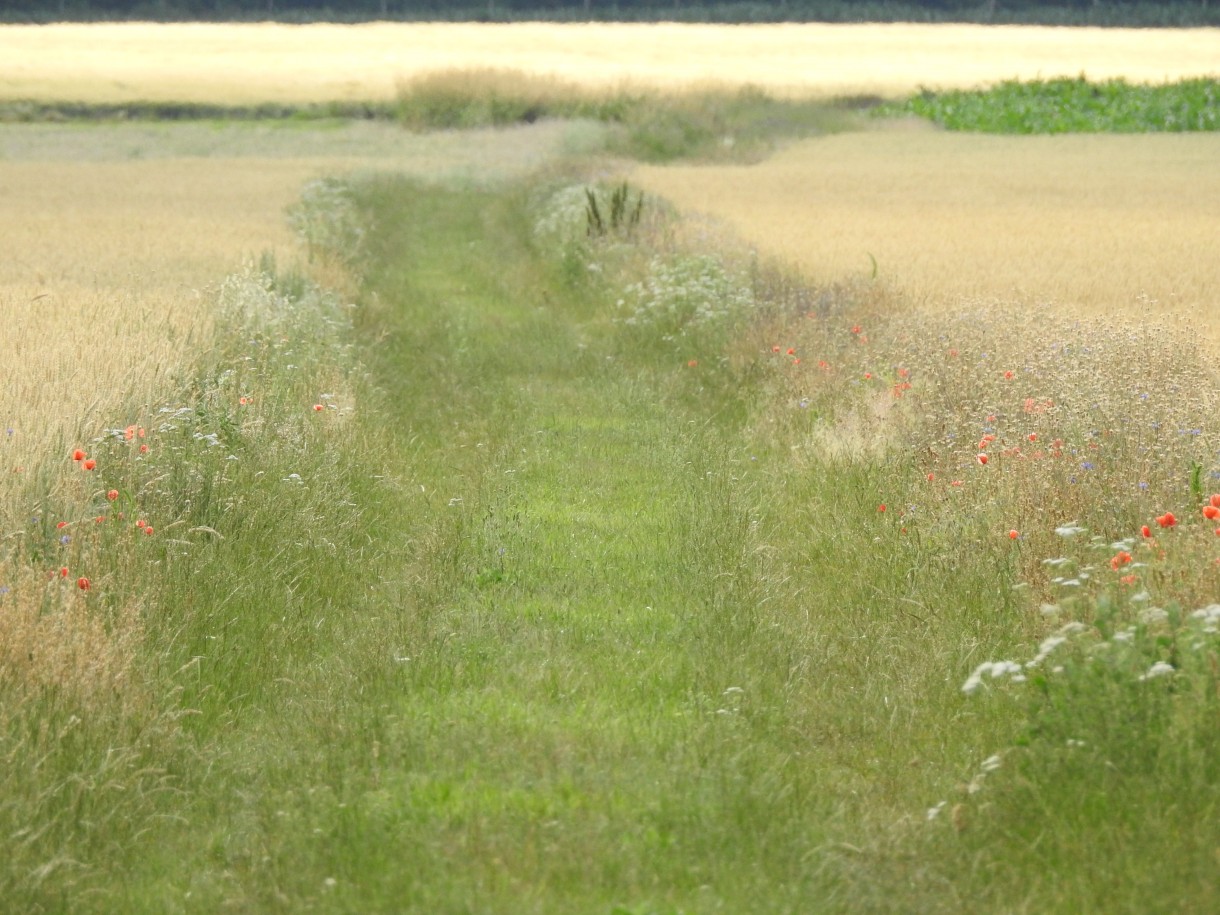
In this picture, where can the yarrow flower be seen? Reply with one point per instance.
(995, 669)
(1159, 669)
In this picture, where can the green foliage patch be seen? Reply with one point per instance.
(1074, 106)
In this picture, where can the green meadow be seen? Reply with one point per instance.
(560, 556)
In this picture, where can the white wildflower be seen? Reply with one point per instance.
(1159, 669)
(1049, 644)
(996, 669)
(1070, 530)
(1153, 615)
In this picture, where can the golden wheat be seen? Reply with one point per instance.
(105, 284)
(266, 62)
(1101, 222)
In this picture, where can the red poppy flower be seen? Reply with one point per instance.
(1167, 520)
(141, 523)
(112, 495)
(143, 449)
(317, 408)
(1146, 531)
(1008, 375)
(868, 376)
(78, 455)
(1013, 535)
(1121, 558)
(82, 583)
(791, 351)
(61, 525)
(1210, 512)
(89, 464)
(1128, 579)
(63, 572)
(981, 458)
(689, 365)
(881, 507)
(855, 328)
(129, 433)
(1215, 500)
(1033, 436)
(931, 477)
(148, 530)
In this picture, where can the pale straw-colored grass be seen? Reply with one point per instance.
(238, 63)
(1100, 222)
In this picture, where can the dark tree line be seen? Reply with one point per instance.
(1139, 12)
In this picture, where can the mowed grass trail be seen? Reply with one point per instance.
(573, 726)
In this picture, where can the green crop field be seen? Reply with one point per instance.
(446, 521)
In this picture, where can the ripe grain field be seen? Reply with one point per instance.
(1092, 223)
(268, 62)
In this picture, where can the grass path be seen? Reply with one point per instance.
(584, 651)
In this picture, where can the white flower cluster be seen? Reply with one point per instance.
(998, 669)
(561, 215)
(251, 299)
(1203, 623)
(327, 220)
(686, 292)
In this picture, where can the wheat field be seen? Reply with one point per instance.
(271, 62)
(1098, 222)
(116, 237)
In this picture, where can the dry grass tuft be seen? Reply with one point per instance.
(54, 639)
